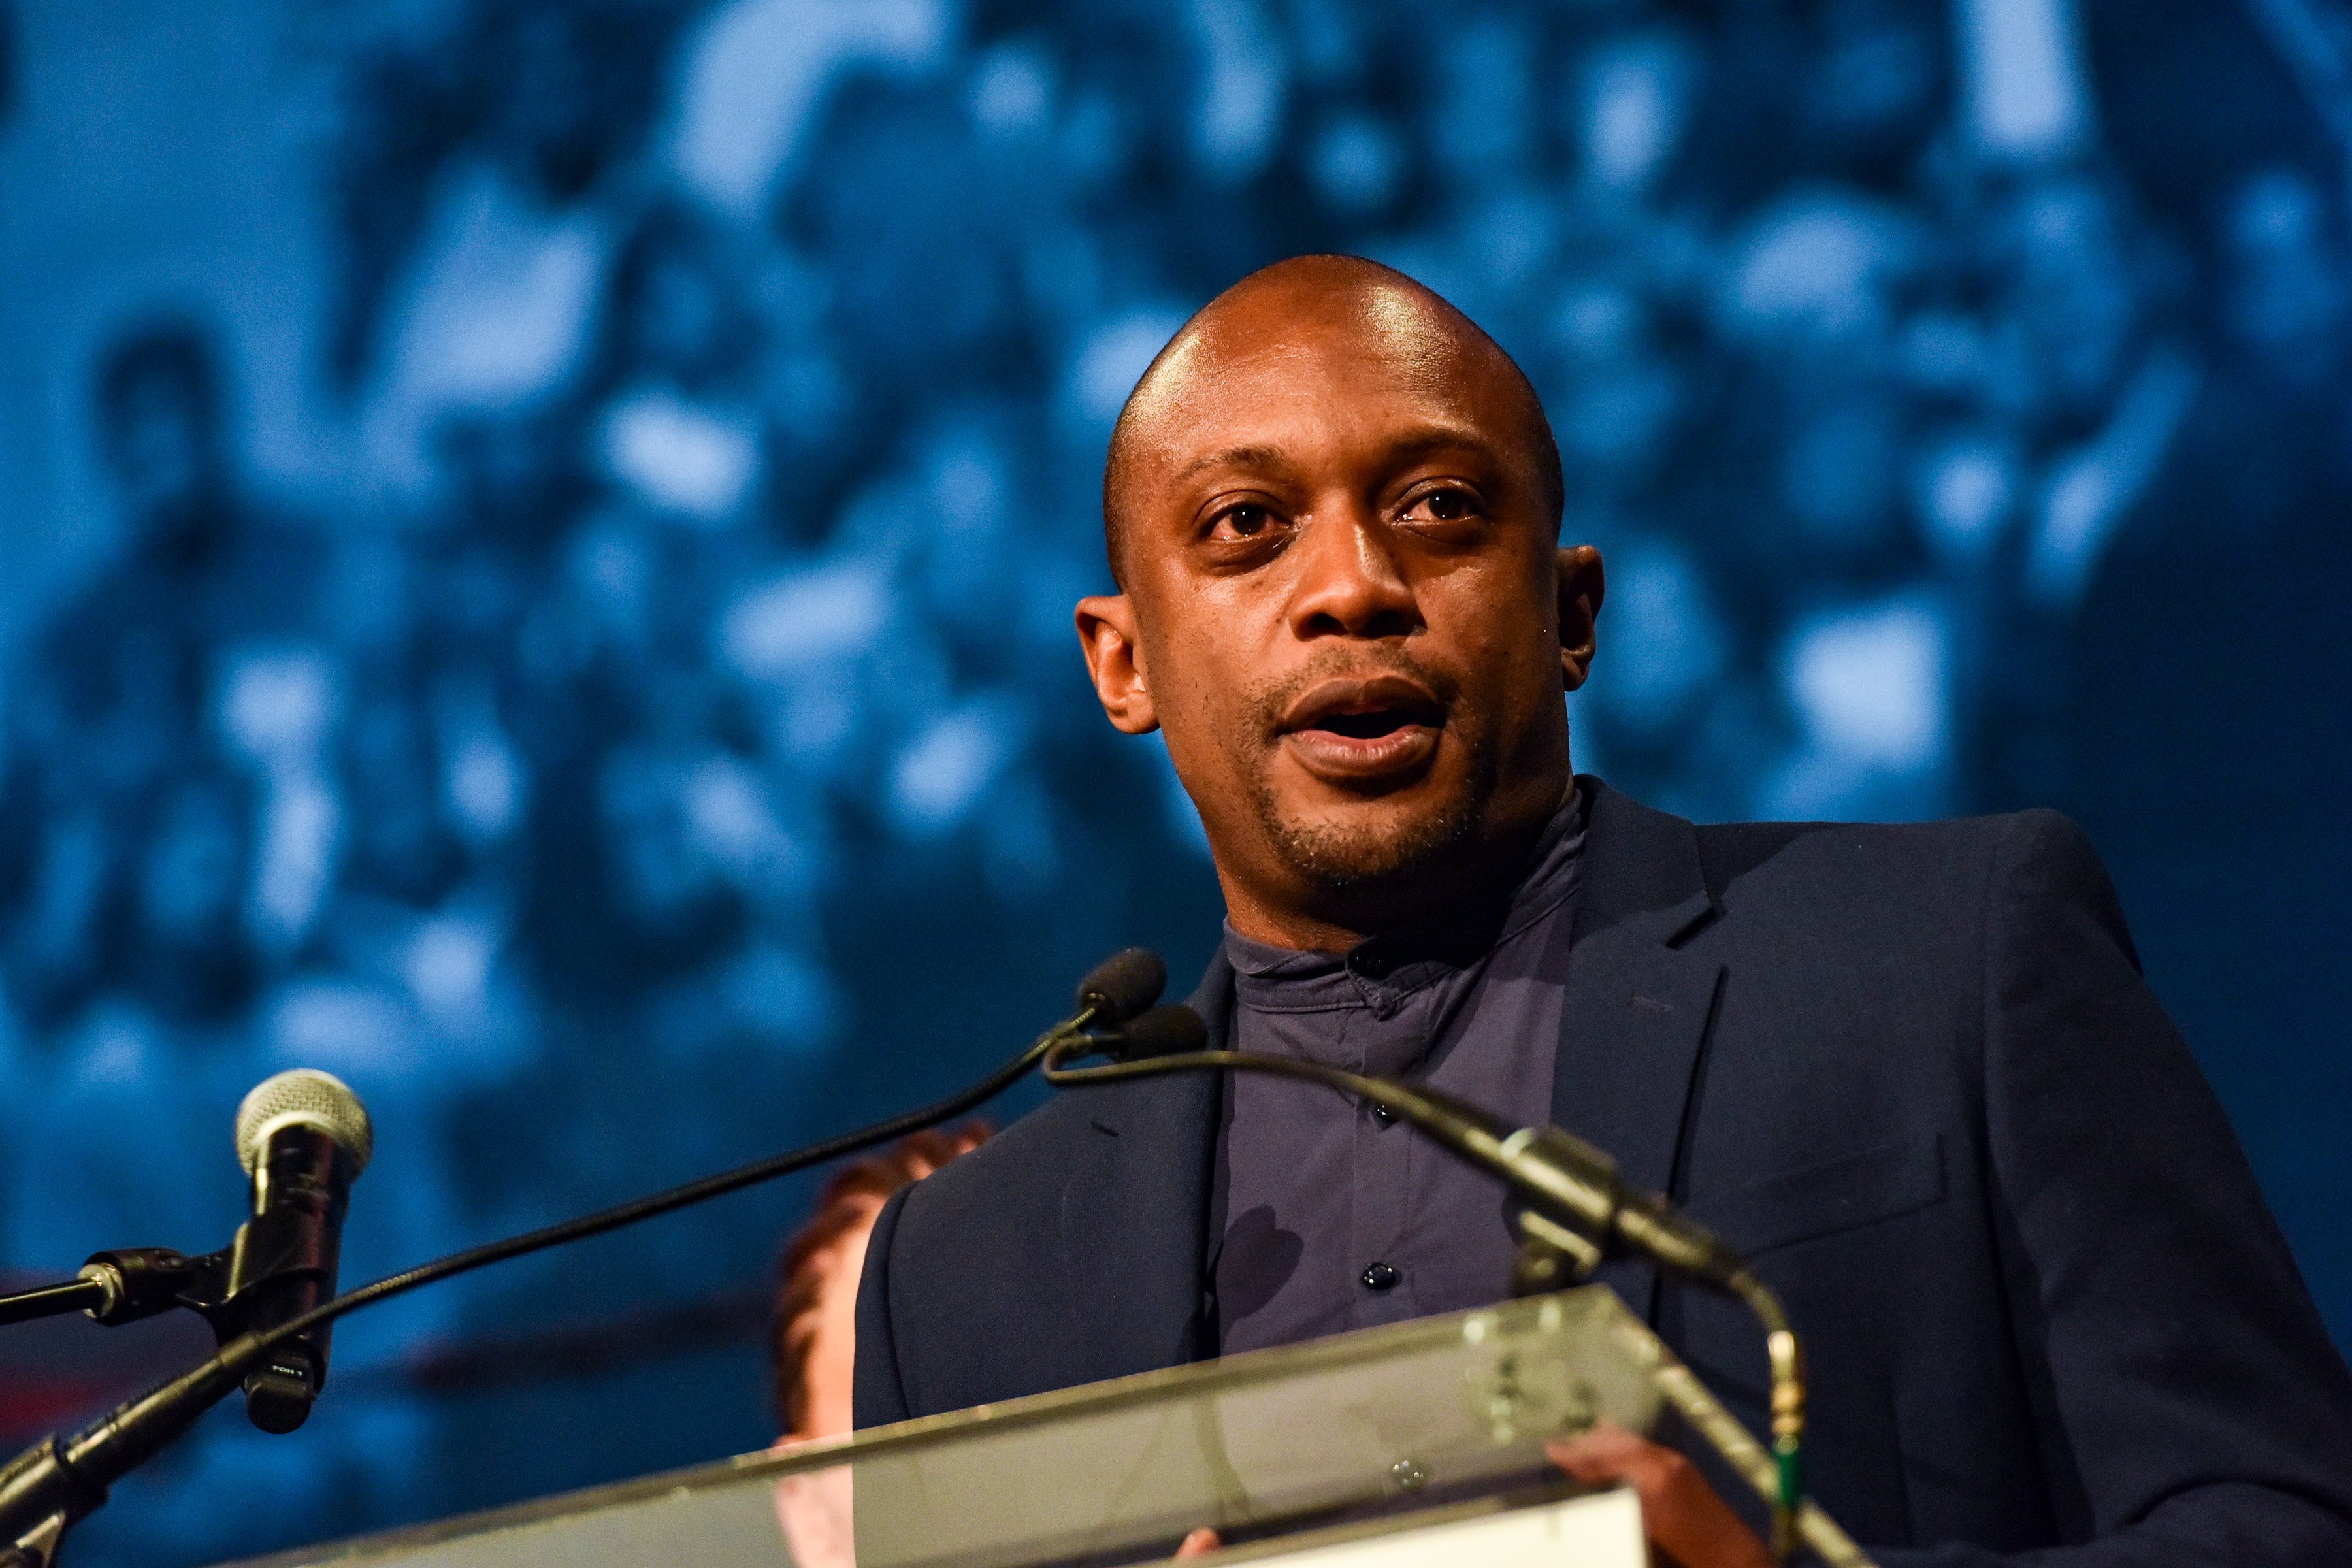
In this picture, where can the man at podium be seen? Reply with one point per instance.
(1911, 1071)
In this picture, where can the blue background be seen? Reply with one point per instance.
(537, 536)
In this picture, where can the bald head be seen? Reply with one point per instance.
(1395, 327)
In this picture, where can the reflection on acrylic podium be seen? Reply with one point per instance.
(1419, 1444)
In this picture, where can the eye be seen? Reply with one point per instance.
(1246, 519)
(1448, 504)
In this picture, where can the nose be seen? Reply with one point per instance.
(1348, 582)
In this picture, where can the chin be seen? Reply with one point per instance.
(1375, 844)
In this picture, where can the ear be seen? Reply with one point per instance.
(1581, 588)
(1115, 660)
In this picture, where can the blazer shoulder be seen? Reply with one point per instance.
(1914, 887)
(1033, 1157)
(1730, 852)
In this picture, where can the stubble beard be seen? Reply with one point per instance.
(1341, 859)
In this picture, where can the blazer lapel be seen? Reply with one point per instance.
(1135, 1214)
(1638, 1004)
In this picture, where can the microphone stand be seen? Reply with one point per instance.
(56, 1481)
(1573, 1212)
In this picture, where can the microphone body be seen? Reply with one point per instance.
(304, 1137)
(283, 1263)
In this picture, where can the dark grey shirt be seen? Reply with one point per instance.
(1328, 1216)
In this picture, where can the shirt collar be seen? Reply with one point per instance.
(1389, 967)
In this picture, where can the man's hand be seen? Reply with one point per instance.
(1685, 1522)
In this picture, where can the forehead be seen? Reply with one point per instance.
(1317, 374)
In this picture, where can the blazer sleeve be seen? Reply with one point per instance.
(2190, 1407)
(878, 1396)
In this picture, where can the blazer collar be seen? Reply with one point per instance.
(1135, 1213)
(1638, 1001)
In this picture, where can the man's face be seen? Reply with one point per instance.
(1344, 605)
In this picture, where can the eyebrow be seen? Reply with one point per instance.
(1235, 457)
(1404, 452)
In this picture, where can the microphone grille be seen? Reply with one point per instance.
(1124, 985)
(308, 1097)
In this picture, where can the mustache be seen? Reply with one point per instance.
(1271, 700)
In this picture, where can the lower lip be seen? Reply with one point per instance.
(1359, 760)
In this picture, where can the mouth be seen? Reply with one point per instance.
(1360, 733)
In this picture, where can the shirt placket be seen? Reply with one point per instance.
(1385, 1287)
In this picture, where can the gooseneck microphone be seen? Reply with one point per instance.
(1122, 987)
(1574, 1205)
(58, 1480)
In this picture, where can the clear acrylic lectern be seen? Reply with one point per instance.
(1328, 1452)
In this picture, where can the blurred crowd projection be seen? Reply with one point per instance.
(646, 728)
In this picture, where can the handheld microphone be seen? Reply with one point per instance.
(303, 1138)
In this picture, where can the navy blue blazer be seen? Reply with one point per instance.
(1914, 1073)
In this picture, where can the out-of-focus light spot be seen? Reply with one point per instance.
(485, 785)
(2026, 93)
(342, 1026)
(727, 812)
(1965, 490)
(1869, 685)
(784, 996)
(804, 618)
(2287, 291)
(1817, 266)
(939, 777)
(683, 459)
(277, 705)
(968, 483)
(1356, 163)
(2093, 490)
(116, 1051)
(301, 824)
(1012, 91)
(447, 967)
(1114, 358)
(1633, 111)
(1598, 320)
(754, 74)
(501, 313)
(1247, 72)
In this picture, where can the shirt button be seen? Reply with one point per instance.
(1379, 1277)
(1383, 1115)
